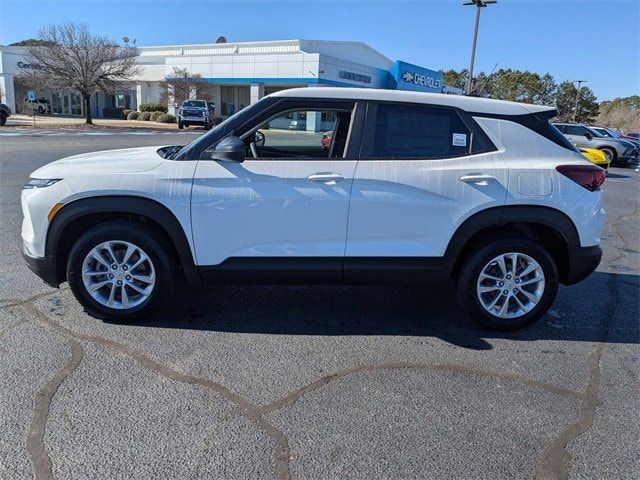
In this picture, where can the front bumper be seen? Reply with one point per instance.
(583, 262)
(194, 120)
(45, 268)
(626, 160)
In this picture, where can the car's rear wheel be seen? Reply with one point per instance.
(508, 283)
(3, 118)
(120, 271)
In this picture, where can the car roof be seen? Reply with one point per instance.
(469, 104)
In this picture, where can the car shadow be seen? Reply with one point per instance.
(616, 175)
(581, 313)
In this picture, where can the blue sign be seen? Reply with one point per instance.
(418, 79)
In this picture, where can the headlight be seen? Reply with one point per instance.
(40, 183)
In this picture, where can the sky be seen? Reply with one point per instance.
(593, 40)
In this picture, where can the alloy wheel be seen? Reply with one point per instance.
(510, 285)
(118, 274)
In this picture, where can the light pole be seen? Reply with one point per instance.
(479, 4)
(575, 110)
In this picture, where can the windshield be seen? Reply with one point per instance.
(613, 133)
(595, 133)
(195, 103)
(603, 132)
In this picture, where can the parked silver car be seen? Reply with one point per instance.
(617, 150)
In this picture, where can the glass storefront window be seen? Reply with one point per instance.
(76, 104)
(244, 97)
(227, 100)
(56, 103)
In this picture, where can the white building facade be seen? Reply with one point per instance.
(233, 75)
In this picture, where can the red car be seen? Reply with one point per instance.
(326, 140)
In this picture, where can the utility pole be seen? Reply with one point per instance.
(575, 110)
(479, 4)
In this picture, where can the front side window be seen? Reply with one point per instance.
(301, 134)
(414, 131)
(574, 130)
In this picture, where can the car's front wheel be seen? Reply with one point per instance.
(508, 283)
(3, 118)
(120, 271)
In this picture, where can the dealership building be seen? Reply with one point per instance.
(233, 75)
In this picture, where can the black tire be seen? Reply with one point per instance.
(40, 110)
(610, 153)
(3, 118)
(141, 236)
(180, 126)
(475, 263)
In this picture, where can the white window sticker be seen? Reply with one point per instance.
(459, 139)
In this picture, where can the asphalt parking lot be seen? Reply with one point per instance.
(315, 382)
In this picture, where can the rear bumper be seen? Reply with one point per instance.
(583, 262)
(45, 268)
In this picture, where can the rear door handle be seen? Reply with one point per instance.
(328, 178)
(477, 178)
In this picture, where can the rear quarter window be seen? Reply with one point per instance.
(420, 132)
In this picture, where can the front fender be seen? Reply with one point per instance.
(144, 207)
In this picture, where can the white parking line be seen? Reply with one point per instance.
(73, 132)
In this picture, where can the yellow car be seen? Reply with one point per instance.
(596, 156)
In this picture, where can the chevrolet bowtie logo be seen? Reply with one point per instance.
(407, 76)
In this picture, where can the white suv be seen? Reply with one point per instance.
(413, 188)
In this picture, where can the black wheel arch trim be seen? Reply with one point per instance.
(126, 204)
(497, 217)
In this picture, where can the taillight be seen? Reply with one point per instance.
(587, 176)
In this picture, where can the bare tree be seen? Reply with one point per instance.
(181, 84)
(70, 57)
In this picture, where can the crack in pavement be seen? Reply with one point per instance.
(42, 403)
(295, 395)
(243, 407)
(251, 411)
(19, 302)
(555, 462)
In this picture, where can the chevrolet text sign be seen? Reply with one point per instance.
(412, 77)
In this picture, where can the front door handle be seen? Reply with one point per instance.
(328, 178)
(477, 178)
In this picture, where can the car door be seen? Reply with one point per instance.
(283, 211)
(423, 170)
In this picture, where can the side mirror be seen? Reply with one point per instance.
(588, 135)
(230, 149)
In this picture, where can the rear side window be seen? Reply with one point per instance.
(414, 131)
